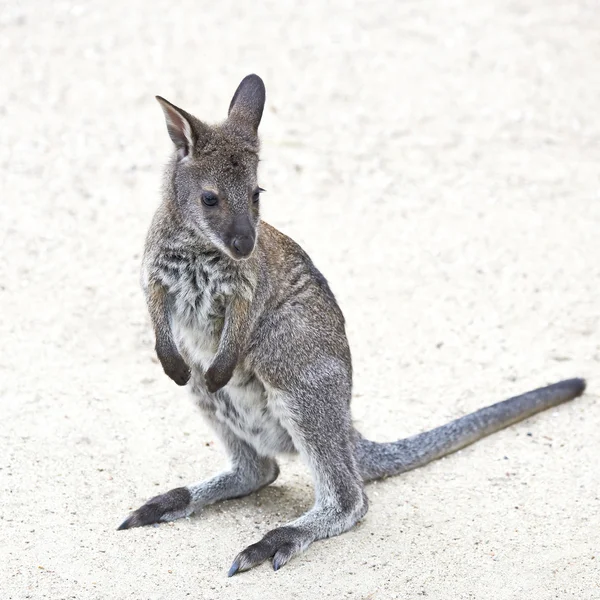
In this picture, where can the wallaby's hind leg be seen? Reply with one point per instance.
(323, 440)
(249, 472)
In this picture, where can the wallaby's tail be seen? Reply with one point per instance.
(377, 460)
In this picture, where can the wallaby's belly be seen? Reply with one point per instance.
(243, 404)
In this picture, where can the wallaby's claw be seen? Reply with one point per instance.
(176, 369)
(166, 507)
(128, 523)
(234, 568)
(218, 375)
(181, 376)
(214, 382)
(279, 544)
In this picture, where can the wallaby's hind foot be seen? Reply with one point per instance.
(184, 501)
(283, 543)
(172, 505)
(279, 544)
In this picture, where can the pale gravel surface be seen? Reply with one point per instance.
(439, 160)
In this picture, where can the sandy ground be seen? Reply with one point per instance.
(439, 161)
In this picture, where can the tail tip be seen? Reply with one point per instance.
(576, 385)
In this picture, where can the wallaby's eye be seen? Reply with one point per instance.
(209, 199)
(256, 195)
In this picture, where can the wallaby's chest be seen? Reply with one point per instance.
(198, 292)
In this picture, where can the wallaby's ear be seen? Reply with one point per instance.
(247, 104)
(179, 126)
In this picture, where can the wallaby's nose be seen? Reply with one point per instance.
(243, 245)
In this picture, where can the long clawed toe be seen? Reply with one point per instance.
(280, 545)
(145, 515)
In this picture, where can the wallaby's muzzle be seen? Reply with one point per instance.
(241, 237)
(242, 246)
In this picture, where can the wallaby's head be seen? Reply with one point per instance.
(214, 172)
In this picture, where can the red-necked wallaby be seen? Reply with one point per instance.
(244, 318)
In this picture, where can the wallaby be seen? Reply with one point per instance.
(244, 318)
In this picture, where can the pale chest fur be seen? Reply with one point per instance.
(199, 286)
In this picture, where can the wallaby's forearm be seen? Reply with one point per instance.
(166, 350)
(234, 339)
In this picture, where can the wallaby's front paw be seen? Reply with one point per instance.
(166, 507)
(280, 544)
(218, 374)
(174, 366)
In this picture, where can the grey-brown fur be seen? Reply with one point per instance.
(244, 318)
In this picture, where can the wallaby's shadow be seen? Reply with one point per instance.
(278, 503)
